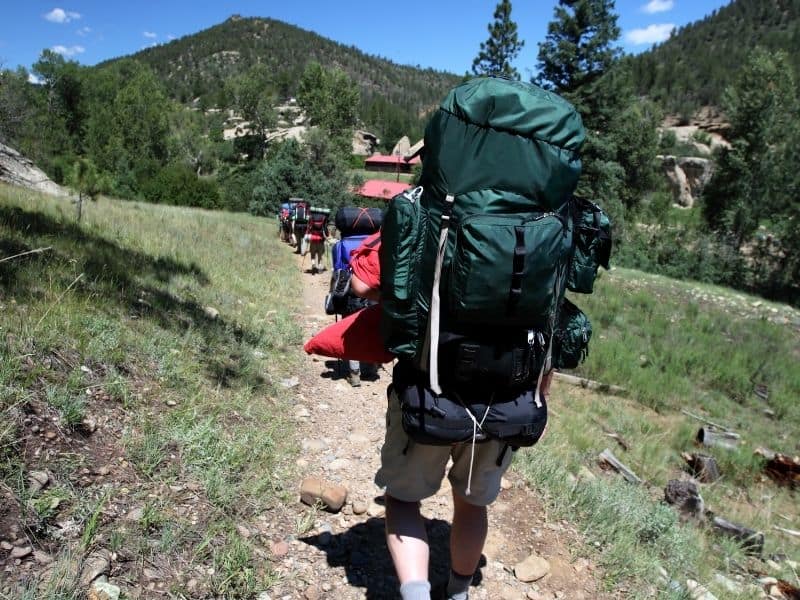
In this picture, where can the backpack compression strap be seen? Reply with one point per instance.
(433, 321)
(364, 212)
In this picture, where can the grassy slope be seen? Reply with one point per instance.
(676, 345)
(122, 300)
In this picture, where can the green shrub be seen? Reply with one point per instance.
(179, 186)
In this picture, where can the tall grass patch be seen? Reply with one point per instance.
(174, 326)
(677, 348)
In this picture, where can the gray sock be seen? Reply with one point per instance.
(416, 590)
(458, 586)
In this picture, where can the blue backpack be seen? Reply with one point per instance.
(342, 249)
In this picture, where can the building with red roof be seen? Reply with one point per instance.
(381, 189)
(391, 163)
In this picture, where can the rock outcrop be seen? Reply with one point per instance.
(364, 143)
(18, 170)
(402, 147)
(687, 175)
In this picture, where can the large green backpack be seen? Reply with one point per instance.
(475, 261)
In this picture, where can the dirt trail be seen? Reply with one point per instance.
(344, 555)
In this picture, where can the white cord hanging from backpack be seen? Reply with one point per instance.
(433, 321)
(548, 357)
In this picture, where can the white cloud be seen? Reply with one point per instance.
(84, 31)
(657, 6)
(171, 37)
(652, 34)
(59, 15)
(68, 50)
(34, 79)
(150, 35)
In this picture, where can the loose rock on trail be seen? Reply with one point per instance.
(343, 555)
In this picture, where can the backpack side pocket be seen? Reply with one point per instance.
(571, 338)
(399, 255)
(592, 234)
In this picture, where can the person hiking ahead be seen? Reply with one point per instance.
(411, 472)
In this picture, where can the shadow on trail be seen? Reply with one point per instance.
(131, 279)
(362, 551)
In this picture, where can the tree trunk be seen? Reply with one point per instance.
(80, 206)
(702, 466)
(686, 497)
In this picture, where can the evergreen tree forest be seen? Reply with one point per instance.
(150, 126)
(700, 60)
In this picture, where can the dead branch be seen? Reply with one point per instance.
(608, 457)
(590, 384)
(704, 420)
(36, 251)
(791, 532)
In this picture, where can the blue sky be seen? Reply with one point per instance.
(443, 34)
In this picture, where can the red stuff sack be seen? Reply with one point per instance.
(364, 261)
(356, 337)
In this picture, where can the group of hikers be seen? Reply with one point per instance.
(461, 283)
(305, 227)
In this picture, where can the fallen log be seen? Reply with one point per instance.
(713, 438)
(751, 541)
(608, 457)
(702, 466)
(590, 384)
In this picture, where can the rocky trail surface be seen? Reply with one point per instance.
(343, 554)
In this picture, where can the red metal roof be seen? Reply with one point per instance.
(379, 188)
(389, 159)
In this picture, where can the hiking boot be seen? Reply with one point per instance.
(354, 379)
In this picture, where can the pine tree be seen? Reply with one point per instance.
(578, 50)
(501, 48)
(750, 178)
(579, 61)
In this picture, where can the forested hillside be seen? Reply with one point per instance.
(694, 66)
(198, 67)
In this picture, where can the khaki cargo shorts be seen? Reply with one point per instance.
(411, 472)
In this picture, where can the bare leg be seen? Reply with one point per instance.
(467, 535)
(407, 540)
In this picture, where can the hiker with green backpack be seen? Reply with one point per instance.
(474, 265)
